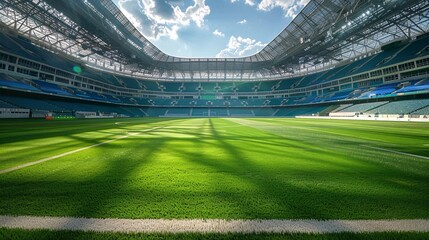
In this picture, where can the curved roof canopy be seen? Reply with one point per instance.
(325, 33)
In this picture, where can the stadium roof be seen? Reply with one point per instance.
(323, 34)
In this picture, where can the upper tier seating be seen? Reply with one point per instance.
(373, 61)
(171, 86)
(267, 86)
(10, 45)
(348, 69)
(225, 87)
(190, 87)
(149, 85)
(409, 51)
(245, 87)
(208, 87)
(300, 81)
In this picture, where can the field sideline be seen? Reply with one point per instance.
(216, 168)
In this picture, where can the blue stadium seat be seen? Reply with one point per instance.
(51, 88)
(9, 83)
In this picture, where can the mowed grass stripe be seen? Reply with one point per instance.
(32, 140)
(400, 153)
(407, 137)
(71, 152)
(350, 144)
(57, 156)
(218, 169)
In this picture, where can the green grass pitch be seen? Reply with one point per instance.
(55, 235)
(216, 168)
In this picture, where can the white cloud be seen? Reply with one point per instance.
(290, 7)
(196, 13)
(157, 19)
(241, 47)
(244, 21)
(248, 2)
(218, 33)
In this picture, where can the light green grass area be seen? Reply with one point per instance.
(216, 168)
(55, 235)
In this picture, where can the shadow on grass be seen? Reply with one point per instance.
(238, 186)
(39, 130)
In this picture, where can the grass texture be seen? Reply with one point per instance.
(216, 168)
(55, 235)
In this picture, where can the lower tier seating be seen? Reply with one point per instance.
(71, 106)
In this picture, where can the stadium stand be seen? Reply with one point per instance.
(422, 111)
(303, 111)
(4, 104)
(400, 107)
(200, 112)
(220, 112)
(385, 78)
(9, 82)
(31, 103)
(241, 112)
(50, 88)
(362, 107)
(178, 112)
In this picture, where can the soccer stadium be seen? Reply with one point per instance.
(322, 133)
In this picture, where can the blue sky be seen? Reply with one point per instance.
(210, 28)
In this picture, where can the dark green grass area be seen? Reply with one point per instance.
(216, 168)
(54, 235)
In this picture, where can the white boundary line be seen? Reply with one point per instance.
(213, 225)
(392, 119)
(401, 153)
(67, 153)
(376, 148)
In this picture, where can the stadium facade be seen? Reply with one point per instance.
(84, 58)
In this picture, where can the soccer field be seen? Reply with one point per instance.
(215, 169)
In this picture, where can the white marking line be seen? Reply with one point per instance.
(213, 225)
(401, 153)
(65, 154)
